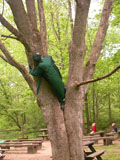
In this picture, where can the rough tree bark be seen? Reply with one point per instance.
(65, 129)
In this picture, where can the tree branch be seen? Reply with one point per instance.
(14, 31)
(70, 16)
(80, 21)
(31, 12)
(100, 36)
(42, 26)
(21, 68)
(9, 116)
(10, 59)
(3, 7)
(9, 37)
(5, 112)
(99, 78)
(52, 19)
(31, 36)
(52, 22)
(58, 25)
(20, 17)
(6, 24)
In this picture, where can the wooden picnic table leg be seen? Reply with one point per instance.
(93, 150)
(5, 147)
(85, 155)
(32, 149)
(39, 146)
(2, 156)
(102, 134)
(99, 157)
(107, 141)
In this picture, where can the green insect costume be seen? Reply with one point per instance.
(47, 69)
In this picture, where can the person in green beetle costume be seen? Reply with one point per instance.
(47, 69)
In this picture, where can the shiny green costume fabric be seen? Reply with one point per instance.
(46, 68)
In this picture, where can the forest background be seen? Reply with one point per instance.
(18, 106)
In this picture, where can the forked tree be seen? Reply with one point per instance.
(65, 128)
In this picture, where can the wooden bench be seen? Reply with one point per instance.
(3, 150)
(27, 142)
(33, 141)
(31, 148)
(2, 156)
(22, 140)
(109, 134)
(101, 133)
(118, 132)
(106, 140)
(92, 153)
(44, 136)
(44, 130)
(96, 154)
(92, 138)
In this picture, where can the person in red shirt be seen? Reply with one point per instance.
(93, 128)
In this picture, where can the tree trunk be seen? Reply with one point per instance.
(22, 131)
(93, 89)
(74, 123)
(54, 119)
(87, 114)
(109, 108)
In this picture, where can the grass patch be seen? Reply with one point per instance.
(112, 152)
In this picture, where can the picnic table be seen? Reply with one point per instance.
(20, 140)
(107, 140)
(92, 153)
(2, 156)
(31, 148)
(44, 130)
(101, 133)
(44, 135)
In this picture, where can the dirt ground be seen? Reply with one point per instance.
(21, 153)
(42, 154)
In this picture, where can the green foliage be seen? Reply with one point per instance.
(18, 105)
(103, 90)
(58, 35)
(116, 13)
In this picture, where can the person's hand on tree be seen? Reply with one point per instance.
(30, 67)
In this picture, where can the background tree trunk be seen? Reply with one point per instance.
(109, 108)
(93, 106)
(97, 108)
(87, 114)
